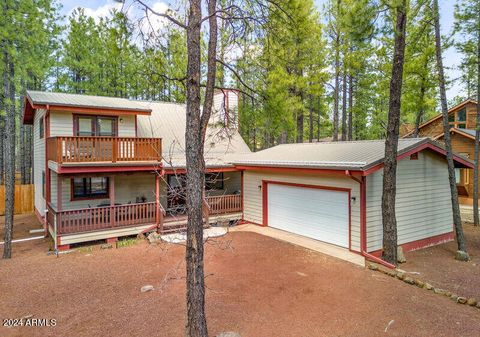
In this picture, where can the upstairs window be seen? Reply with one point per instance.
(95, 126)
(90, 188)
(458, 119)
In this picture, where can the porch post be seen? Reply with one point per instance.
(59, 193)
(157, 202)
(111, 194)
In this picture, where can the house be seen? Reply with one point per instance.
(109, 167)
(462, 120)
(332, 192)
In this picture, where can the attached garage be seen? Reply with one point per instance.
(313, 211)
(332, 192)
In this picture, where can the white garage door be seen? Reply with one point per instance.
(317, 213)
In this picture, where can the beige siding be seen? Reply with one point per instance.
(423, 207)
(253, 195)
(61, 124)
(38, 162)
(127, 189)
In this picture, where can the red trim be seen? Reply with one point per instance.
(92, 110)
(422, 147)
(295, 169)
(219, 169)
(105, 169)
(243, 194)
(41, 219)
(112, 240)
(422, 243)
(363, 224)
(63, 247)
(319, 187)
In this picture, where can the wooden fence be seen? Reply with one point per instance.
(24, 199)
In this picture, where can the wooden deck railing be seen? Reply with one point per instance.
(101, 218)
(103, 149)
(224, 203)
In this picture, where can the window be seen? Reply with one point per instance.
(457, 175)
(41, 128)
(462, 115)
(458, 119)
(95, 126)
(90, 188)
(44, 184)
(214, 181)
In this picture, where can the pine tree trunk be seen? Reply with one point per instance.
(28, 155)
(22, 152)
(421, 112)
(319, 120)
(350, 107)
(476, 220)
(337, 78)
(196, 125)
(446, 130)
(2, 143)
(344, 103)
(310, 120)
(9, 88)
(391, 142)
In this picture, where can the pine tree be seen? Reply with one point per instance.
(467, 25)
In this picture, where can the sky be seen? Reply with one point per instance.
(99, 8)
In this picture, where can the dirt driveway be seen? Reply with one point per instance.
(257, 286)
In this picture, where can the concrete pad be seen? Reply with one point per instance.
(211, 232)
(303, 241)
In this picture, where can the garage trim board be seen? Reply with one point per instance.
(265, 202)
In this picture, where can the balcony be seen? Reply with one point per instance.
(77, 150)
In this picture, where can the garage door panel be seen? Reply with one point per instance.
(317, 213)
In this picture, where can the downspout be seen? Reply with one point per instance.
(363, 223)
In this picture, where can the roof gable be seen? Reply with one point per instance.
(439, 116)
(355, 156)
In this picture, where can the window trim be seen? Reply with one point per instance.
(103, 196)
(94, 120)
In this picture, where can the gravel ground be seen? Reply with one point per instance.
(256, 286)
(21, 227)
(437, 265)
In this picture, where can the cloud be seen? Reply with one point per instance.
(101, 11)
(134, 11)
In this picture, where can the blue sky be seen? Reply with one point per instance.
(97, 8)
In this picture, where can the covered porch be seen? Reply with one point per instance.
(107, 206)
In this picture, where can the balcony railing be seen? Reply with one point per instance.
(103, 149)
(102, 218)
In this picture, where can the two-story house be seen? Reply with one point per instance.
(111, 167)
(463, 122)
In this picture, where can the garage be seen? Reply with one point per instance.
(320, 213)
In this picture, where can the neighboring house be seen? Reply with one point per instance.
(462, 119)
(332, 192)
(109, 167)
(98, 168)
